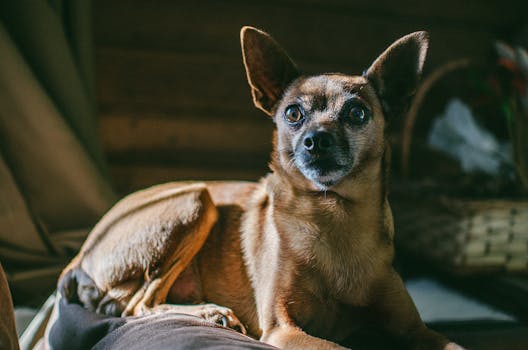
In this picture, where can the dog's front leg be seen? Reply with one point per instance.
(287, 336)
(396, 313)
(279, 327)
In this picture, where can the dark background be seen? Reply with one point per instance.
(173, 99)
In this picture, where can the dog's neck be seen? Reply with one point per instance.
(360, 200)
(325, 229)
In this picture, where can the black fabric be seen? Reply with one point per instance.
(77, 328)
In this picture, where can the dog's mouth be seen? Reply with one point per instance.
(322, 165)
(324, 172)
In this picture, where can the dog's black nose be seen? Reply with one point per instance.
(318, 141)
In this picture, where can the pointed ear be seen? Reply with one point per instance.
(269, 69)
(396, 72)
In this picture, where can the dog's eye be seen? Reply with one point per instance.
(293, 114)
(358, 115)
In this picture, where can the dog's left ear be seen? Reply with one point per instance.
(268, 67)
(396, 72)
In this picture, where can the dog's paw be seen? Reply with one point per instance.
(110, 307)
(76, 286)
(222, 316)
(453, 346)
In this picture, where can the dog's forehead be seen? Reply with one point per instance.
(331, 83)
(330, 89)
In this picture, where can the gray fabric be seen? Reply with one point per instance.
(78, 328)
(53, 186)
(176, 332)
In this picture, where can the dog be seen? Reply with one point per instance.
(298, 260)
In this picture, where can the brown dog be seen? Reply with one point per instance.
(305, 254)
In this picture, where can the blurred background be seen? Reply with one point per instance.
(99, 99)
(171, 89)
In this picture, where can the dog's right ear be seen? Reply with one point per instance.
(396, 72)
(269, 69)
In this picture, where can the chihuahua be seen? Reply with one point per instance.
(299, 260)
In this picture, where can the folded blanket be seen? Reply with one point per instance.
(77, 328)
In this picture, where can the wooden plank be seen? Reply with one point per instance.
(154, 55)
(211, 26)
(174, 100)
(474, 13)
(171, 81)
(131, 177)
(161, 135)
(174, 81)
(342, 38)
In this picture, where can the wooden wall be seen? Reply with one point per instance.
(173, 99)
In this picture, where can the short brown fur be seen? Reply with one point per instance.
(300, 259)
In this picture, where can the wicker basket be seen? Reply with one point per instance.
(460, 235)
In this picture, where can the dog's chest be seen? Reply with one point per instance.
(331, 299)
(338, 254)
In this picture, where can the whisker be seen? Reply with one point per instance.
(291, 155)
(291, 162)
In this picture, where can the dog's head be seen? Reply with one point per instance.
(330, 127)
